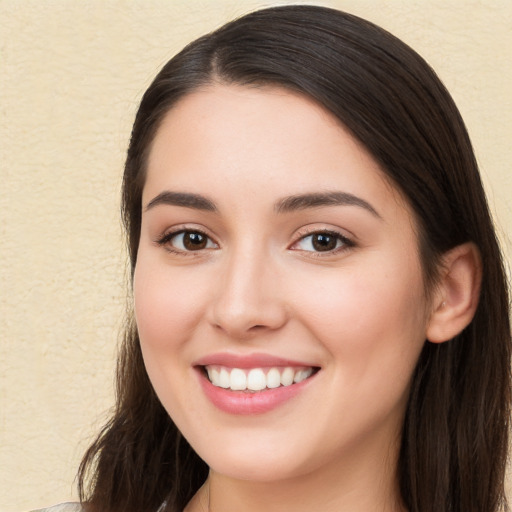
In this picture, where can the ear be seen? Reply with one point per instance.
(456, 296)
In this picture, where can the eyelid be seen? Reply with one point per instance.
(167, 236)
(347, 242)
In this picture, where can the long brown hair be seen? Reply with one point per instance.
(454, 441)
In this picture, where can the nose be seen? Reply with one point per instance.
(250, 298)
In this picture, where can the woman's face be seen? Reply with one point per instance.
(273, 249)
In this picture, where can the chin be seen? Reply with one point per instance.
(258, 460)
(263, 469)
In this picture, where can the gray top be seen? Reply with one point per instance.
(74, 507)
(63, 507)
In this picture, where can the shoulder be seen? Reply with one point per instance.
(63, 507)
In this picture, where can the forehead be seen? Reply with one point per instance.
(257, 137)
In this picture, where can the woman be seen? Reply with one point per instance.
(320, 309)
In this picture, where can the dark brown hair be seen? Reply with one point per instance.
(454, 442)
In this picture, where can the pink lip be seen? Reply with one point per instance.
(244, 402)
(247, 361)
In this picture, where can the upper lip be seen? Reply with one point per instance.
(256, 360)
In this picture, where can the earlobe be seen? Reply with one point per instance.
(457, 293)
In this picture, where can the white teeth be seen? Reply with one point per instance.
(238, 380)
(256, 379)
(273, 378)
(302, 375)
(213, 374)
(287, 377)
(224, 380)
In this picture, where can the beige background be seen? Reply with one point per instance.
(71, 76)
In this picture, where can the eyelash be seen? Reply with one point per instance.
(342, 242)
(167, 238)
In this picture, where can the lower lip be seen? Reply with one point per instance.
(244, 402)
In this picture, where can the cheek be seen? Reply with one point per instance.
(369, 315)
(167, 303)
(372, 324)
(167, 306)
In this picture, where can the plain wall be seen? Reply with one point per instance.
(71, 76)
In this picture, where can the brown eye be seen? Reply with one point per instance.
(324, 241)
(187, 241)
(193, 241)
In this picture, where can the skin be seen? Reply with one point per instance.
(357, 312)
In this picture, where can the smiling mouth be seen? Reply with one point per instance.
(256, 379)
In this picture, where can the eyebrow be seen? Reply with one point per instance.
(322, 199)
(285, 205)
(185, 199)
